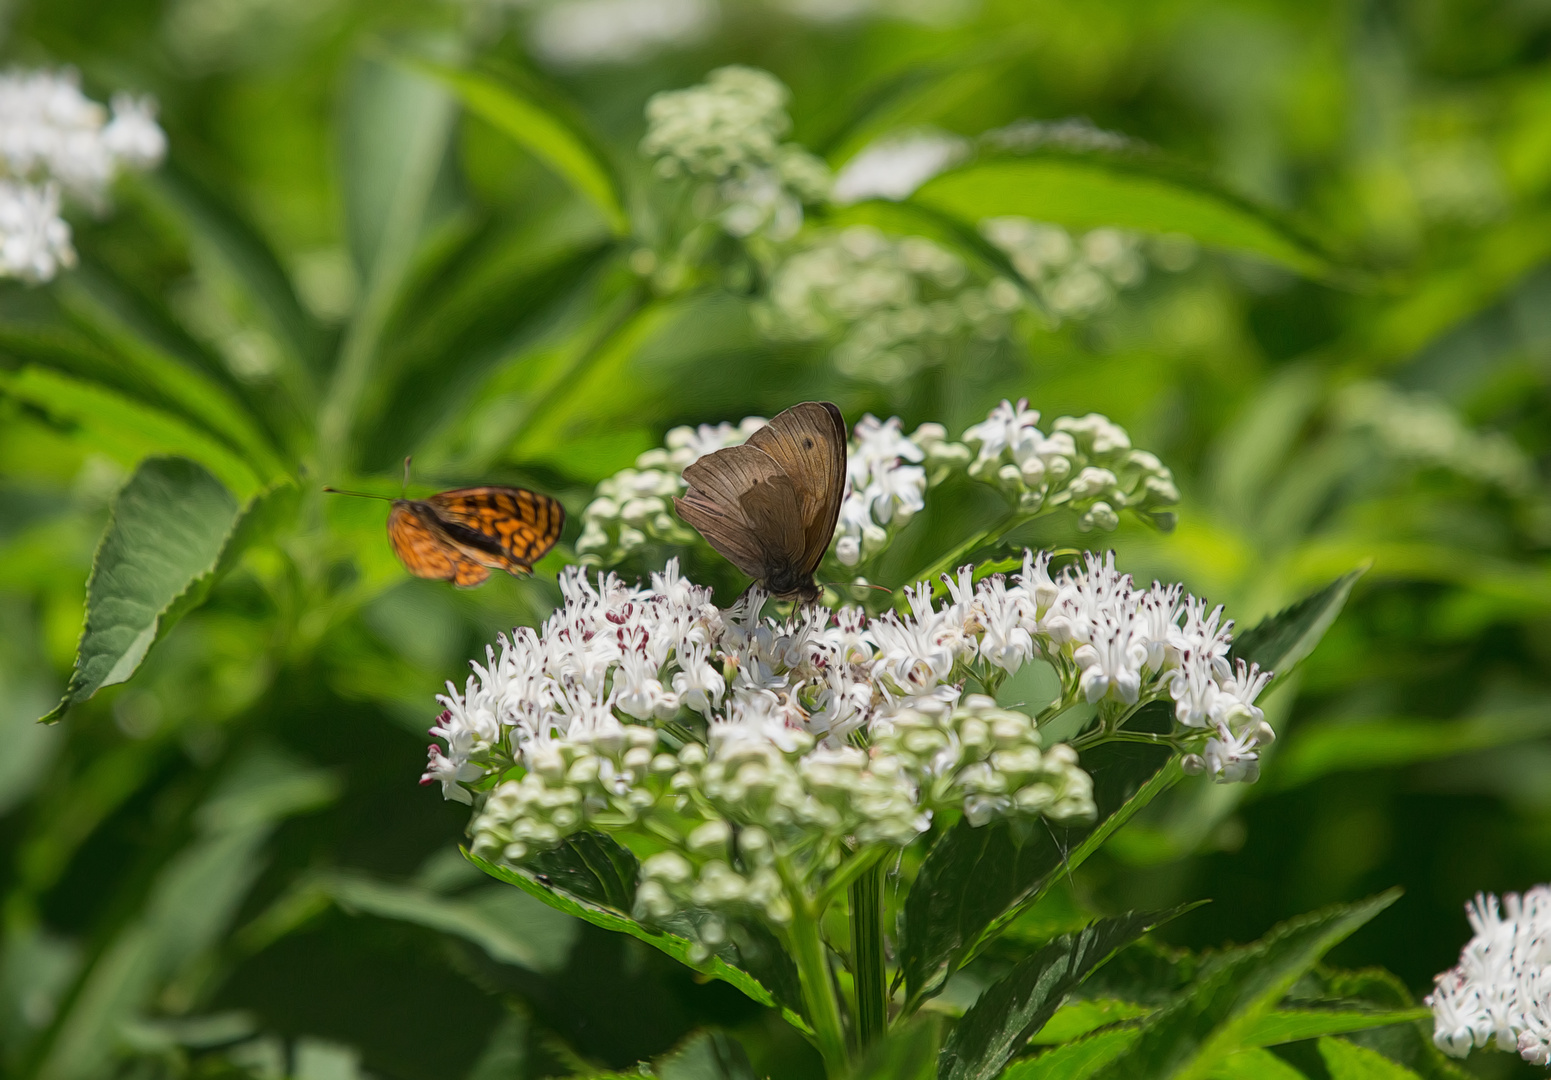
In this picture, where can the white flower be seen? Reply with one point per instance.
(1501, 989)
(34, 239)
(49, 130)
(584, 32)
(894, 166)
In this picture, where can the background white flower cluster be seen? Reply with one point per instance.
(727, 133)
(54, 140)
(1500, 992)
(891, 305)
(758, 754)
(1086, 464)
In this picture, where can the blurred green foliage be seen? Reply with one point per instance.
(225, 867)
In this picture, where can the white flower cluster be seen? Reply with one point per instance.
(52, 139)
(891, 305)
(1074, 276)
(727, 133)
(894, 166)
(1086, 464)
(1501, 989)
(755, 753)
(1423, 430)
(578, 33)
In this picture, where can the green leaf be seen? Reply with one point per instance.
(1019, 1004)
(709, 1055)
(1255, 1065)
(1078, 1018)
(908, 1052)
(1331, 746)
(542, 133)
(214, 222)
(1293, 1025)
(1077, 1060)
(1218, 1015)
(510, 926)
(946, 923)
(609, 878)
(1086, 191)
(1348, 1061)
(169, 538)
(1282, 641)
(124, 429)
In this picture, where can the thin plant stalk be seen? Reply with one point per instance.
(872, 1002)
(818, 992)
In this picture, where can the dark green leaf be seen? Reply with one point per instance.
(908, 1052)
(1280, 642)
(1218, 1015)
(590, 867)
(510, 926)
(1017, 1005)
(1133, 191)
(611, 918)
(1291, 1025)
(542, 133)
(946, 923)
(710, 1055)
(157, 559)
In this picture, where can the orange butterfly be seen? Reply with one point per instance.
(461, 535)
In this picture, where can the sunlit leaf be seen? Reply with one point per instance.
(542, 133)
(1348, 1061)
(1087, 191)
(1077, 1060)
(1280, 642)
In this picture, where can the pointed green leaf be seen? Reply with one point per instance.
(173, 532)
(542, 133)
(1282, 641)
(1017, 1005)
(710, 1055)
(1293, 1025)
(1348, 1061)
(1131, 191)
(606, 878)
(509, 925)
(124, 429)
(1218, 1015)
(946, 923)
(1255, 1065)
(1076, 1060)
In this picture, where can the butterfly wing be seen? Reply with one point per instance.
(426, 552)
(808, 442)
(506, 528)
(735, 501)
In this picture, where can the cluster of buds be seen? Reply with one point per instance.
(890, 305)
(727, 134)
(1086, 464)
(1075, 276)
(985, 760)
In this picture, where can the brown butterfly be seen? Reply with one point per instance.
(770, 505)
(460, 536)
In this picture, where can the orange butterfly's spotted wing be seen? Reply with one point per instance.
(426, 552)
(505, 528)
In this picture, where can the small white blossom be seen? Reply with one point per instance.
(575, 33)
(894, 166)
(1500, 991)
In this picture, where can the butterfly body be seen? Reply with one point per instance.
(461, 535)
(770, 505)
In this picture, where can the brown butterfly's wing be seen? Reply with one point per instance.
(506, 528)
(718, 504)
(425, 551)
(808, 442)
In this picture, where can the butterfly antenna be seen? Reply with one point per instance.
(405, 490)
(358, 494)
(857, 585)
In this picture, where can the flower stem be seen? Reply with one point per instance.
(818, 992)
(872, 1003)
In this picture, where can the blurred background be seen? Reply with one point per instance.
(226, 868)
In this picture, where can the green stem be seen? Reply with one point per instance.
(872, 1002)
(818, 992)
(956, 558)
